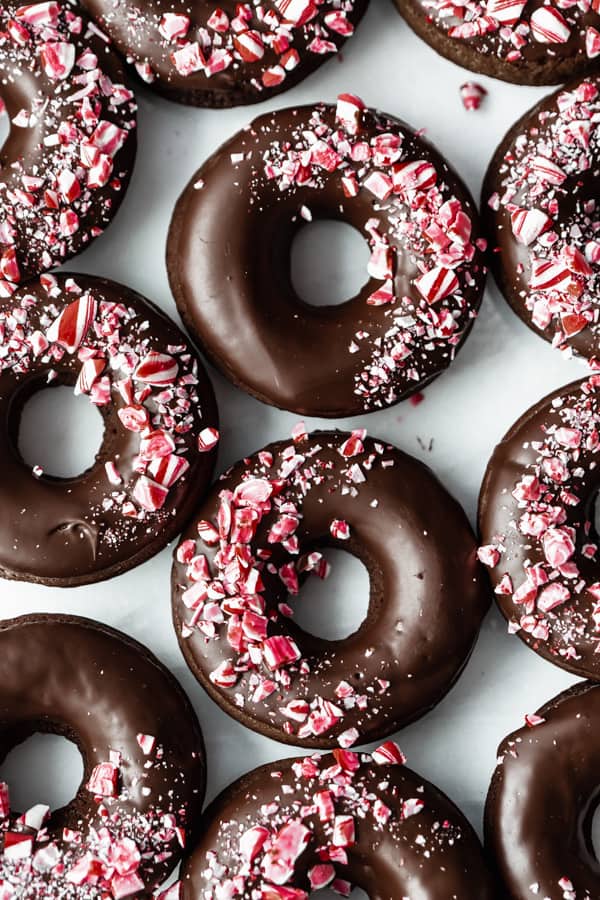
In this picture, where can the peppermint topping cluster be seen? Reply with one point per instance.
(62, 190)
(264, 39)
(508, 28)
(118, 362)
(254, 555)
(419, 229)
(548, 180)
(107, 856)
(553, 601)
(319, 804)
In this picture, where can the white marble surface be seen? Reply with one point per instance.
(502, 370)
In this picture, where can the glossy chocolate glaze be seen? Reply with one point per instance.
(428, 595)
(576, 226)
(60, 531)
(134, 29)
(59, 136)
(228, 257)
(542, 800)
(538, 62)
(415, 856)
(99, 688)
(569, 634)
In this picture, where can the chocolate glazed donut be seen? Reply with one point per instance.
(66, 163)
(294, 826)
(228, 257)
(540, 209)
(156, 457)
(542, 799)
(536, 517)
(521, 41)
(231, 54)
(143, 755)
(257, 536)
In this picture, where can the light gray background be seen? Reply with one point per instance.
(502, 370)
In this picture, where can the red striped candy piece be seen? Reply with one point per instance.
(207, 439)
(548, 26)
(437, 284)
(157, 368)
(508, 12)
(547, 170)
(592, 43)
(296, 11)
(149, 494)
(550, 276)
(528, 224)
(70, 328)
(58, 59)
(88, 374)
(173, 26)
(349, 112)
(413, 176)
(167, 470)
(249, 45)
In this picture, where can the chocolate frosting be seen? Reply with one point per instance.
(66, 164)
(71, 531)
(542, 800)
(533, 42)
(71, 676)
(540, 207)
(432, 854)
(207, 55)
(427, 593)
(536, 522)
(228, 257)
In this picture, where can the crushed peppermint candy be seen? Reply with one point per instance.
(236, 569)
(513, 31)
(472, 95)
(545, 205)
(541, 541)
(67, 185)
(307, 821)
(426, 268)
(116, 853)
(106, 341)
(259, 45)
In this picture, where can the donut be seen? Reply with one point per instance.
(144, 767)
(228, 258)
(157, 454)
(66, 163)
(540, 208)
(256, 537)
(342, 820)
(525, 43)
(536, 512)
(542, 799)
(227, 54)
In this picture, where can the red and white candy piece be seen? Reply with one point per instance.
(157, 369)
(349, 112)
(72, 325)
(472, 95)
(436, 284)
(528, 224)
(548, 26)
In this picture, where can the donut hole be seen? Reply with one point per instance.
(335, 607)
(328, 262)
(44, 768)
(60, 432)
(594, 825)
